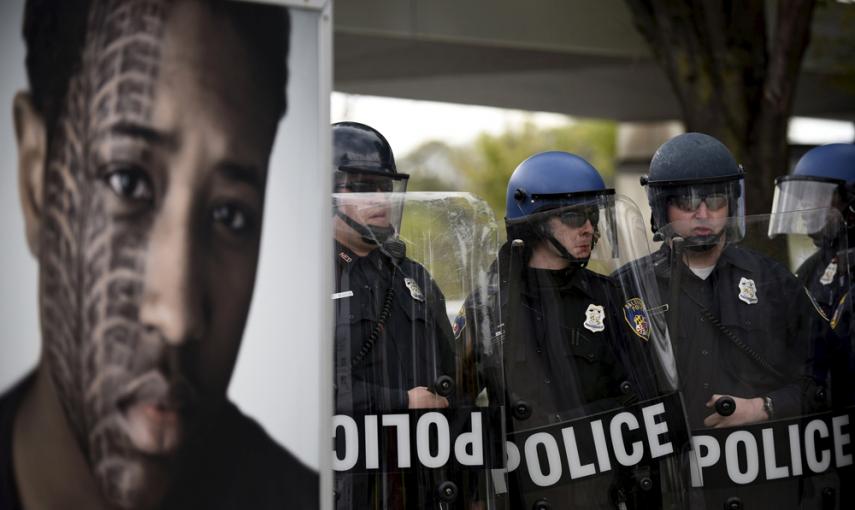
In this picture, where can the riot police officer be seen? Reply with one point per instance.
(824, 178)
(739, 321)
(392, 335)
(568, 351)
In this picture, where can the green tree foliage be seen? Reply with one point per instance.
(484, 166)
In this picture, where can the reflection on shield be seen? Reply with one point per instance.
(755, 324)
(419, 410)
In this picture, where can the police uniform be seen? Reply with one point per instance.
(566, 363)
(710, 363)
(770, 313)
(824, 274)
(413, 349)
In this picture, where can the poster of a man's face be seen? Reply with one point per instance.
(144, 149)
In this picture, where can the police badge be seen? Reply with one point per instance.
(635, 314)
(747, 291)
(415, 292)
(828, 275)
(594, 316)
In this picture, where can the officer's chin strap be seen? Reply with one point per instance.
(371, 234)
(702, 244)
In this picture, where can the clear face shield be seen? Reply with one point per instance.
(585, 349)
(419, 414)
(702, 212)
(577, 228)
(370, 203)
(756, 355)
(794, 193)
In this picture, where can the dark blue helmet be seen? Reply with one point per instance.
(832, 162)
(691, 167)
(548, 180)
(557, 184)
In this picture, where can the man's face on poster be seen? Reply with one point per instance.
(153, 195)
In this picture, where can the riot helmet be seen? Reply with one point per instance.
(559, 186)
(690, 170)
(366, 184)
(824, 178)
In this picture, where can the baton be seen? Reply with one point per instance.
(725, 406)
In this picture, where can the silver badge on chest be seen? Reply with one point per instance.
(415, 291)
(594, 317)
(747, 291)
(828, 275)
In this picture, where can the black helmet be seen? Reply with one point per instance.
(363, 162)
(690, 168)
(358, 148)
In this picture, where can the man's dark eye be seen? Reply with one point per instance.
(131, 184)
(232, 217)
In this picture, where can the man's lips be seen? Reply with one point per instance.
(702, 231)
(154, 413)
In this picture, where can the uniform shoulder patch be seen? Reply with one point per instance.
(635, 315)
(459, 322)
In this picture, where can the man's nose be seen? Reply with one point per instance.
(588, 227)
(172, 297)
(702, 211)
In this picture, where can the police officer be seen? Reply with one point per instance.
(738, 320)
(825, 178)
(566, 345)
(392, 336)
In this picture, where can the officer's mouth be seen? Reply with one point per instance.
(379, 218)
(702, 231)
(155, 413)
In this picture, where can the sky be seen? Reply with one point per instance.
(407, 122)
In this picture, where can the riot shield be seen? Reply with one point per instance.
(594, 417)
(753, 347)
(414, 425)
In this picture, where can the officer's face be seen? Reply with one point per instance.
(578, 241)
(698, 217)
(372, 205)
(149, 238)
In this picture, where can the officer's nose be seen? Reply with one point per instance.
(702, 211)
(172, 294)
(587, 228)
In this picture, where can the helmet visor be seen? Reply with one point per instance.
(709, 202)
(365, 181)
(583, 225)
(795, 194)
(801, 195)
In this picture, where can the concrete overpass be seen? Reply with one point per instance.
(578, 57)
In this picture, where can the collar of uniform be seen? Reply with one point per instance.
(561, 280)
(734, 256)
(344, 254)
(730, 255)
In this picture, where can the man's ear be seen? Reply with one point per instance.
(32, 151)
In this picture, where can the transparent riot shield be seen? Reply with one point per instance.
(418, 415)
(755, 355)
(594, 417)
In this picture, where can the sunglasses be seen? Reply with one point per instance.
(372, 186)
(688, 203)
(577, 216)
